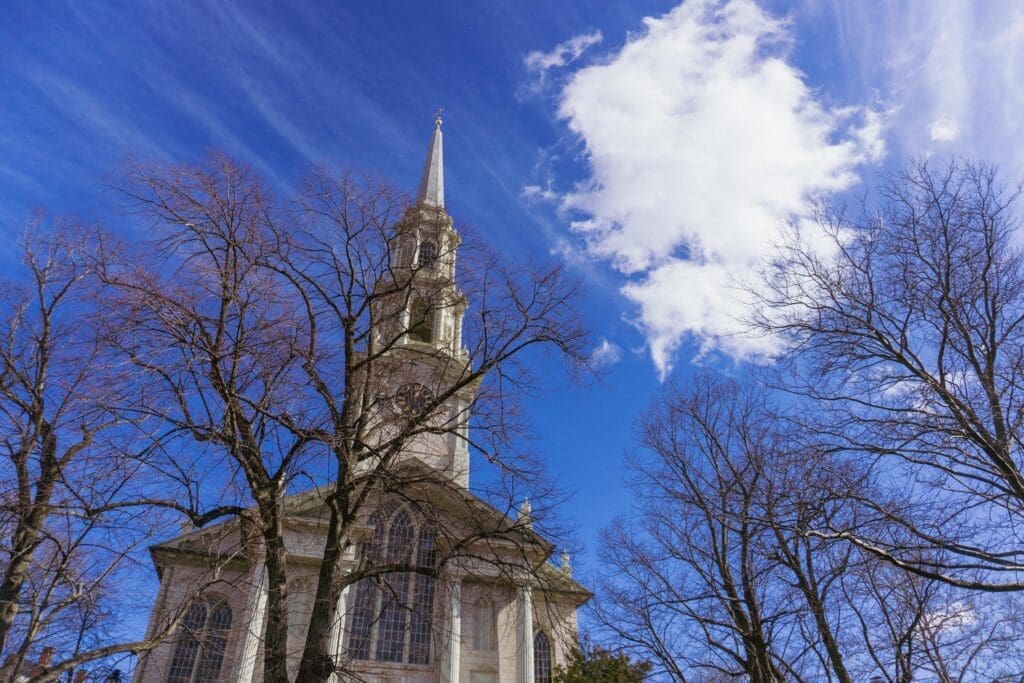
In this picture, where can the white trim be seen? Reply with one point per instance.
(337, 643)
(250, 641)
(525, 635)
(453, 652)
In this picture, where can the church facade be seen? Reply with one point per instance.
(478, 621)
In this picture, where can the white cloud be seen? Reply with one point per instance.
(944, 129)
(701, 140)
(606, 354)
(870, 136)
(704, 300)
(532, 193)
(955, 617)
(563, 54)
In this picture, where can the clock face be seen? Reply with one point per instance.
(412, 398)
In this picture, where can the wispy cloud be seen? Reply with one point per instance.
(701, 140)
(266, 105)
(92, 114)
(606, 354)
(563, 54)
(949, 72)
(203, 112)
(535, 193)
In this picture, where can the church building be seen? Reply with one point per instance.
(475, 622)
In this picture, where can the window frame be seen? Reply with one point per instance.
(429, 261)
(540, 676)
(199, 669)
(378, 596)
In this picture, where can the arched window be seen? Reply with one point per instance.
(421, 322)
(428, 255)
(541, 658)
(394, 611)
(392, 614)
(199, 652)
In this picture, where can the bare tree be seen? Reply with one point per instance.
(71, 526)
(803, 491)
(909, 625)
(272, 338)
(725, 571)
(905, 323)
(689, 590)
(212, 336)
(55, 383)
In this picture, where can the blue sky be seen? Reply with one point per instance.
(654, 147)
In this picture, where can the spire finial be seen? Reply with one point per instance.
(431, 190)
(526, 514)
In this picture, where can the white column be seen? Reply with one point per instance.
(454, 649)
(525, 635)
(457, 342)
(337, 645)
(254, 628)
(460, 443)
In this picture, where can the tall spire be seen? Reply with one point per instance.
(432, 184)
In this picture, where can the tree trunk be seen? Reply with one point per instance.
(317, 659)
(28, 533)
(25, 542)
(275, 644)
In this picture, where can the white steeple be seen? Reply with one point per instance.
(421, 322)
(431, 190)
